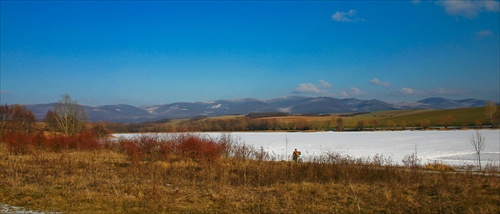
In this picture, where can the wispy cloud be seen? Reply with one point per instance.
(406, 91)
(351, 91)
(349, 16)
(376, 81)
(325, 84)
(483, 33)
(313, 88)
(469, 8)
(307, 88)
(355, 91)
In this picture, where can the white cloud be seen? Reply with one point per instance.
(307, 88)
(325, 84)
(483, 33)
(469, 8)
(346, 16)
(407, 91)
(376, 81)
(352, 91)
(312, 88)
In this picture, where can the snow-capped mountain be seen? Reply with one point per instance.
(290, 104)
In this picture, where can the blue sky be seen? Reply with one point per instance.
(147, 53)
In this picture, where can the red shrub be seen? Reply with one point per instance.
(18, 142)
(199, 148)
(153, 147)
(87, 140)
(132, 150)
(39, 139)
(58, 143)
(22, 142)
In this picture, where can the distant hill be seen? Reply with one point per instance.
(442, 103)
(292, 105)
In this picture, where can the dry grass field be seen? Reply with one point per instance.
(152, 175)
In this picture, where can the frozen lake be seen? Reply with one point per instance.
(450, 147)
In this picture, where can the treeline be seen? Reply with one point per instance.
(64, 128)
(68, 118)
(215, 124)
(295, 123)
(486, 117)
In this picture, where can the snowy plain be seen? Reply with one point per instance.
(450, 147)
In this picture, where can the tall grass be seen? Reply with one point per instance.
(189, 173)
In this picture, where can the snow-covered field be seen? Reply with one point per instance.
(450, 147)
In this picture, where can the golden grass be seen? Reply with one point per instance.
(105, 181)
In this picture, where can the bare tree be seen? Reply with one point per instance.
(374, 124)
(477, 141)
(71, 117)
(340, 124)
(50, 120)
(446, 120)
(100, 130)
(16, 118)
(360, 125)
(490, 110)
(403, 125)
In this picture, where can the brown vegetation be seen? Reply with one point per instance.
(188, 173)
(85, 172)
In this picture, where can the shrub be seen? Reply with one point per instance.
(146, 147)
(199, 148)
(131, 148)
(439, 166)
(152, 147)
(18, 142)
(411, 160)
(86, 140)
(99, 130)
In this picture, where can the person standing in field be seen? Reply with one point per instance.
(295, 155)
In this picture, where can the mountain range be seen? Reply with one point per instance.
(292, 104)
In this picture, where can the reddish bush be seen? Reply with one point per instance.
(23, 143)
(39, 139)
(87, 140)
(58, 143)
(18, 142)
(153, 147)
(199, 148)
(131, 148)
(149, 145)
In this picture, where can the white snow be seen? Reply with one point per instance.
(5, 208)
(284, 109)
(450, 147)
(150, 109)
(216, 106)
